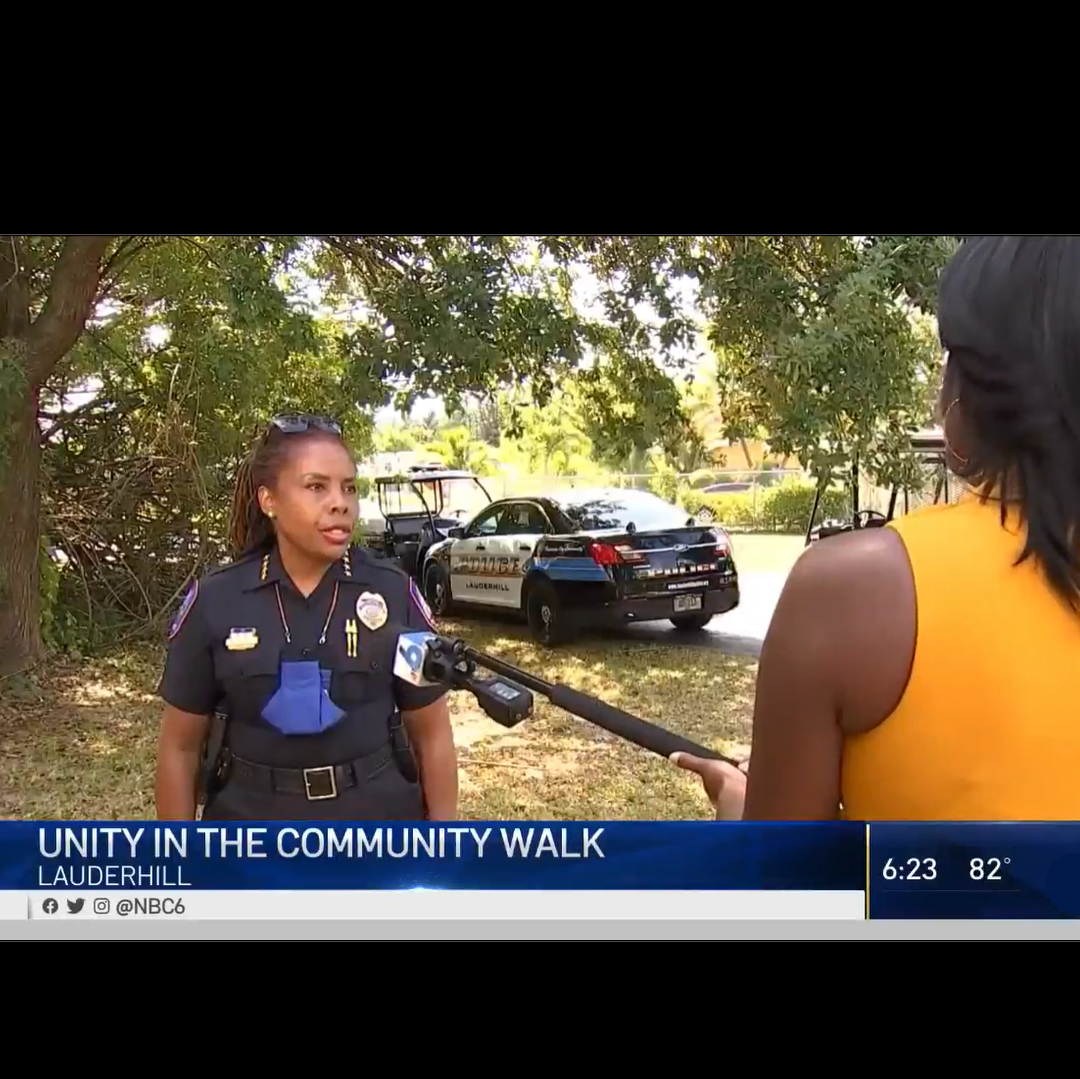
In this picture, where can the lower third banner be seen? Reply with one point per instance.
(601, 869)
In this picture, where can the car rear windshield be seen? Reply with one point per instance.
(646, 514)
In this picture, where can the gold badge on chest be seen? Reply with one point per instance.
(371, 610)
(351, 637)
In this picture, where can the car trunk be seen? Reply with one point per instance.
(664, 562)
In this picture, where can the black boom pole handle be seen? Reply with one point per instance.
(639, 731)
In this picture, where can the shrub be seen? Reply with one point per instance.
(782, 507)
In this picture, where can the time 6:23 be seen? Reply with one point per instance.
(910, 869)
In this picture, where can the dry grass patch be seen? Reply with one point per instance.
(78, 740)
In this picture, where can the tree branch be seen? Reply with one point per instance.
(71, 299)
(126, 251)
(14, 296)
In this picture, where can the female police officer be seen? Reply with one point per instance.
(296, 639)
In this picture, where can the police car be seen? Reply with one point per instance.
(584, 559)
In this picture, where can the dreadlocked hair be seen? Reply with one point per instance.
(250, 530)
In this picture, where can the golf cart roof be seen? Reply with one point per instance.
(930, 440)
(427, 475)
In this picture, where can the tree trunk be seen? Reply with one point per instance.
(35, 347)
(20, 597)
(746, 453)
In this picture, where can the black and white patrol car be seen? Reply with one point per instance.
(584, 559)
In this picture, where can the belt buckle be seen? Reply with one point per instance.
(309, 773)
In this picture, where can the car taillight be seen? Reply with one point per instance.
(723, 542)
(603, 554)
(607, 554)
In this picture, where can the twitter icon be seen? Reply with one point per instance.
(75, 905)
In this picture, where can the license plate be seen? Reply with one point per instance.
(688, 603)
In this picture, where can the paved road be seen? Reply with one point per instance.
(739, 632)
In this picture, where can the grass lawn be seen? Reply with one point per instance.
(78, 739)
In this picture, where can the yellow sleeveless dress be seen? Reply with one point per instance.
(989, 725)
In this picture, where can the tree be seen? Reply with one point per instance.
(821, 343)
(37, 329)
(818, 335)
(189, 343)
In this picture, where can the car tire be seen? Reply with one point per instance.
(437, 591)
(691, 623)
(545, 614)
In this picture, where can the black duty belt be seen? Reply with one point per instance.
(314, 784)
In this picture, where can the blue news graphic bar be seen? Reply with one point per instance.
(593, 855)
(974, 871)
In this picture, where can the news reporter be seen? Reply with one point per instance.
(296, 639)
(926, 670)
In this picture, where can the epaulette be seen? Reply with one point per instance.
(235, 564)
(369, 558)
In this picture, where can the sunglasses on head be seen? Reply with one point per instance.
(293, 423)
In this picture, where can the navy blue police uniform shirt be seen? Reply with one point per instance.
(228, 640)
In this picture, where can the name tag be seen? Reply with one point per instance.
(241, 640)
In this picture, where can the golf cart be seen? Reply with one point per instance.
(928, 449)
(420, 507)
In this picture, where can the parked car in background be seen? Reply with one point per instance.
(584, 559)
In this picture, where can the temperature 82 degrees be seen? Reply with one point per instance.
(989, 870)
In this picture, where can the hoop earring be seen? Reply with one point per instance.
(945, 433)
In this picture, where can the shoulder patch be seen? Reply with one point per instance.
(185, 610)
(421, 604)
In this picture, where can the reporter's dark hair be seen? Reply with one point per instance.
(250, 531)
(1009, 319)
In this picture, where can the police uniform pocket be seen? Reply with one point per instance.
(247, 677)
(367, 676)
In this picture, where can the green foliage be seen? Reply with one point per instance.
(818, 343)
(456, 448)
(665, 482)
(196, 341)
(784, 507)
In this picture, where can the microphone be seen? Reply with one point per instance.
(410, 656)
(420, 660)
(424, 658)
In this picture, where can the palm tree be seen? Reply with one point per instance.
(456, 448)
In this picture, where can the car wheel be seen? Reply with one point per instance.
(691, 623)
(545, 614)
(437, 591)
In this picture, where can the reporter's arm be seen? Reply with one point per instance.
(834, 663)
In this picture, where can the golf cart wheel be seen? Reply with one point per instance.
(437, 591)
(545, 614)
(691, 623)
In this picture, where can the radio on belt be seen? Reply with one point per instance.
(428, 659)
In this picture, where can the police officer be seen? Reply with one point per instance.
(294, 642)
